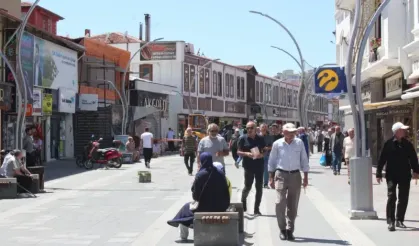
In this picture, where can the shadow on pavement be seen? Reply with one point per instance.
(62, 168)
(320, 241)
(188, 241)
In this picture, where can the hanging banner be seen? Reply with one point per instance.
(37, 102)
(47, 104)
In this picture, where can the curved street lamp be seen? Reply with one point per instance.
(302, 86)
(20, 81)
(124, 98)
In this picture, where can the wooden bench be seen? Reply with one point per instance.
(221, 229)
(8, 188)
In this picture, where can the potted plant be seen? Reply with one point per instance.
(375, 43)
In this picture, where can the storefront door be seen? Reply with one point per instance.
(55, 137)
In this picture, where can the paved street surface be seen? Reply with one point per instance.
(109, 207)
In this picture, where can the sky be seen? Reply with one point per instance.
(221, 29)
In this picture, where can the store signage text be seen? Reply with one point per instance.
(394, 111)
(160, 104)
(394, 85)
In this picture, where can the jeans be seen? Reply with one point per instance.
(189, 159)
(337, 161)
(148, 153)
(253, 174)
(265, 170)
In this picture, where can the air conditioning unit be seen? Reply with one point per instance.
(189, 48)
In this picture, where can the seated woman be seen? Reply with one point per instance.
(211, 192)
(13, 168)
(130, 147)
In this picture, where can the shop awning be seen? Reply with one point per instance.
(369, 106)
(410, 95)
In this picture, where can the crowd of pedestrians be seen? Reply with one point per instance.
(274, 157)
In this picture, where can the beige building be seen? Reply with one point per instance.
(11, 6)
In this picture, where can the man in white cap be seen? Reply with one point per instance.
(400, 158)
(287, 159)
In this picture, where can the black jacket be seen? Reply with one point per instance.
(400, 159)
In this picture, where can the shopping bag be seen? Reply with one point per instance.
(323, 160)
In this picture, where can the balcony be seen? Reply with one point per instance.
(377, 63)
(345, 4)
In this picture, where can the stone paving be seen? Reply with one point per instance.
(110, 207)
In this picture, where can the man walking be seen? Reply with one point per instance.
(288, 157)
(251, 147)
(400, 158)
(304, 137)
(348, 149)
(28, 147)
(189, 147)
(170, 139)
(233, 144)
(214, 144)
(312, 139)
(336, 145)
(276, 132)
(319, 139)
(268, 142)
(147, 145)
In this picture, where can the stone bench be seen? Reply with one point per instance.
(144, 177)
(238, 207)
(35, 186)
(8, 188)
(221, 229)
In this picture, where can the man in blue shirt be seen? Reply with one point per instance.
(287, 158)
(304, 137)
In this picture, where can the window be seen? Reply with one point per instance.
(192, 78)
(227, 85)
(185, 77)
(146, 71)
(220, 84)
(242, 88)
(261, 92)
(201, 81)
(257, 91)
(231, 86)
(238, 88)
(214, 83)
(289, 97)
(207, 82)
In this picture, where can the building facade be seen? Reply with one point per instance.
(388, 67)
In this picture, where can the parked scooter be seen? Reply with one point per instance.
(110, 157)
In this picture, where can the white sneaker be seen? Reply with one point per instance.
(184, 232)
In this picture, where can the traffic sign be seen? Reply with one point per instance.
(330, 80)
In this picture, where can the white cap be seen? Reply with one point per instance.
(397, 126)
(289, 127)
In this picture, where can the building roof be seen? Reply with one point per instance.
(246, 67)
(116, 38)
(44, 34)
(28, 5)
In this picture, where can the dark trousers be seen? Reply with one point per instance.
(171, 145)
(404, 188)
(148, 153)
(23, 181)
(30, 159)
(234, 154)
(319, 147)
(189, 159)
(251, 174)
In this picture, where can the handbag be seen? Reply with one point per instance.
(194, 205)
(323, 160)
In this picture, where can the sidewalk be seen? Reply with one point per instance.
(336, 191)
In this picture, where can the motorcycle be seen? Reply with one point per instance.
(110, 157)
(81, 159)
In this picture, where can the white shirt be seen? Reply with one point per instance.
(4, 169)
(146, 137)
(288, 157)
(171, 134)
(348, 144)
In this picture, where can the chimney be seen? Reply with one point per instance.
(147, 27)
(87, 33)
(141, 31)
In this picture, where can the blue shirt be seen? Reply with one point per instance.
(304, 138)
(288, 157)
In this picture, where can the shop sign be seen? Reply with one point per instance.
(159, 51)
(158, 103)
(234, 107)
(29, 110)
(47, 104)
(88, 102)
(393, 85)
(37, 102)
(66, 101)
(395, 112)
(5, 97)
(366, 93)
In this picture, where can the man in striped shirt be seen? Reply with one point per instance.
(189, 147)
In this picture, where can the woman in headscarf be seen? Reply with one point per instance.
(130, 147)
(211, 192)
(220, 168)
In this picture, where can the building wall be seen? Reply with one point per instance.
(12, 6)
(43, 20)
